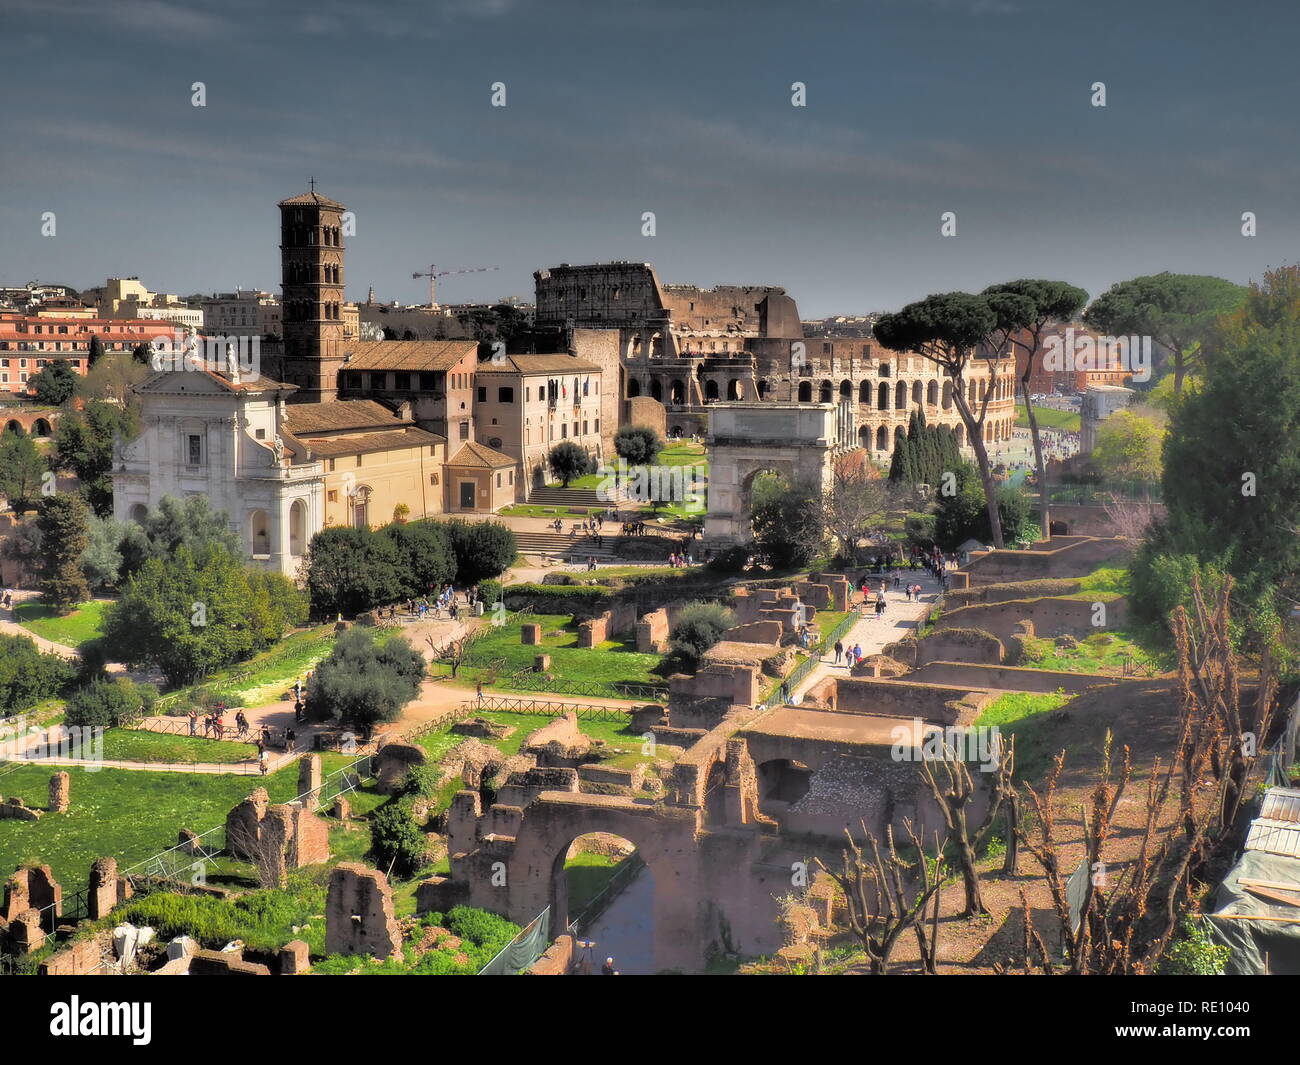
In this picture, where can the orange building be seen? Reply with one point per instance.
(29, 341)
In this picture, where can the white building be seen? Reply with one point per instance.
(204, 434)
(241, 313)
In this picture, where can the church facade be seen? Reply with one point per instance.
(328, 431)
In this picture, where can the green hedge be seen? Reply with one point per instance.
(555, 598)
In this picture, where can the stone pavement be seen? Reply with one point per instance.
(872, 633)
(626, 930)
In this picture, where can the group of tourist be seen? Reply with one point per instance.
(214, 724)
(851, 656)
(434, 604)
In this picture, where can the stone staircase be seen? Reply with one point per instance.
(562, 545)
(555, 496)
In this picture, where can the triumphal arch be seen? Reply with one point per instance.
(798, 440)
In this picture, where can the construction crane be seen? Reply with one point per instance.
(433, 273)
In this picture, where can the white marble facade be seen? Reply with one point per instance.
(201, 434)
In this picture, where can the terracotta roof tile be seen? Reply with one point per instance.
(362, 443)
(336, 415)
(480, 455)
(423, 355)
(539, 364)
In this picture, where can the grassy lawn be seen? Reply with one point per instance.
(589, 481)
(129, 814)
(1103, 652)
(614, 660)
(605, 573)
(684, 453)
(136, 745)
(1105, 580)
(72, 629)
(1017, 714)
(535, 510)
(1048, 418)
(264, 677)
(587, 874)
(827, 620)
(1016, 706)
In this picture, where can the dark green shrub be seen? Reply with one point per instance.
(396, 840)
(27, 675)
(698, 627)
(104, 703)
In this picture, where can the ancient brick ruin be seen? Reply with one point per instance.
(359, 913)
(276, 837)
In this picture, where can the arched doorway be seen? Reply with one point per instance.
(826, 393)
(735, 390)
(710, 389)
(40, 427)
(297, 528)
(864, 436)
(864, 393)
(259, 534)
(805, 391)
(900, 395)
(603, 890)
(361, 507)
(139, 513)
(762, 389)
(882, 438)
(633, 388)
(846, 389)
(757, 486)
(782, 782)
(917, 388)
(14, 426)
(932, 394)
(677, 392)
(656, 391)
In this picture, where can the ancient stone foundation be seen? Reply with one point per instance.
(359, 913)
(60, 786)
(278, 838)
(652, 632)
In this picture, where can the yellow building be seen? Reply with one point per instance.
(378, 465)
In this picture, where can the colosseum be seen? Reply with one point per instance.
(689, 347)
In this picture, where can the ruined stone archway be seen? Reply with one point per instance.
(783, 780)
(744, 439)
(532, 878)
(601, 884)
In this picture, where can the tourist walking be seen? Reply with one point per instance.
(839, 651)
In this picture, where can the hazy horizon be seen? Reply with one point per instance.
(979, 107)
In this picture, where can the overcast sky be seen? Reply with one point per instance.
(683, 108)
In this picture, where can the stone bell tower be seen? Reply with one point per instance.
(311, 260)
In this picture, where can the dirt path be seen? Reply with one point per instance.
(872, 633)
